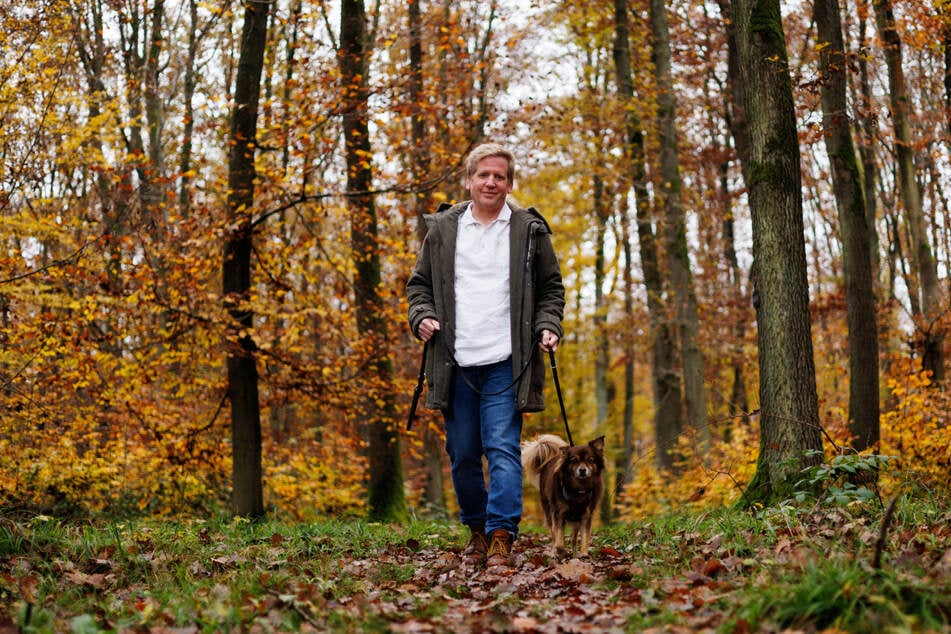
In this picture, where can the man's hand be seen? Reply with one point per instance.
(427, 328)
(549, 341)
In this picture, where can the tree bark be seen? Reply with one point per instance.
(385, 486)
(668, 410)
(735, 117)
(864, 407)
(154, 188)
(420, 151)
(602, 357)
(189, 83)
(931, 335)
(678, 256)
(789, 411)
(247, 495)
(434, 492)
(944, 6)
(602, 212)
(625, 459)
(868, 130)
(739, 397)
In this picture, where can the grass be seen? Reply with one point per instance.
(794, 567)
(848, 595)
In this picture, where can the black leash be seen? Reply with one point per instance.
(422, 375)
(561, 401)
(419, 387)
(476, 390)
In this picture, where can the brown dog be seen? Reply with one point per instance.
(570, 482)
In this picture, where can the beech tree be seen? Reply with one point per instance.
(248, 497)
(424, 202)
(686, 317)
(668, 416)
(929, 324)
(379, 416)
(789, 409)
(856, 243)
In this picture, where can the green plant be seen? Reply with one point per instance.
(844, 479)
(847, 595)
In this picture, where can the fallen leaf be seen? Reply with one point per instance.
(96, 581)
(713, 566)
(28, 586)
(524, 624)
(943, 567)
(575, 569)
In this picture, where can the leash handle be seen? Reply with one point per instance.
(419, 387)
(561, 401)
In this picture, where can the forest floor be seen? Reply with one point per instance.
(840, 569)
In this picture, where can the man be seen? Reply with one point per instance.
(487, 297)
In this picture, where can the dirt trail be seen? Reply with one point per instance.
(596, 594)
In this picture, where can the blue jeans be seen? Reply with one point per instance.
(486, 423)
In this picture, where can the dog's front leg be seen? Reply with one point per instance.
(557, 538)
(584, 527)
(575, 527)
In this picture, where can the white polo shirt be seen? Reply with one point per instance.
(483, 307)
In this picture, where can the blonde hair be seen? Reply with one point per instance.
(485, 151)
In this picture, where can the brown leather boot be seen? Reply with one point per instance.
(474, 552)
(500, 549)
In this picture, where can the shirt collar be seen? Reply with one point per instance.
(505, 215)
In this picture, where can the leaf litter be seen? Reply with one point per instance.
(639, 579)
(536, 594)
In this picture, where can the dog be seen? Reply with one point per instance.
(570, 481)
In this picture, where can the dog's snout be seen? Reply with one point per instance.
(584, 471)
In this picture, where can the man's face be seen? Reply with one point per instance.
(490, 184)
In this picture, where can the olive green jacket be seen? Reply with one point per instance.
(536, 290)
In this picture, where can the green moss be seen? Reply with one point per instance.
(766, 20)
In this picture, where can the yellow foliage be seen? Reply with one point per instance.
(916, 426)
(700, 482)
(308, 480)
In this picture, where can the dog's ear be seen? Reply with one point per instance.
(597, 444)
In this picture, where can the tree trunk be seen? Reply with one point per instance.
(625, 459)
(869, 135)
(294, 24)
(678, 256)
(930, 333)
(420, 150)
(602, 211)
(247, 496)
(850, 201)
(735, 117)
(668, 412)
(385, 486)
(944, 6)
(188, 116)
(602, 351)
(739, 406)
(789, 411)
(154, 187)
(433, 451)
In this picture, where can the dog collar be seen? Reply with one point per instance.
(570, 498)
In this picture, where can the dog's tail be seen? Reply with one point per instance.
(539, 452)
